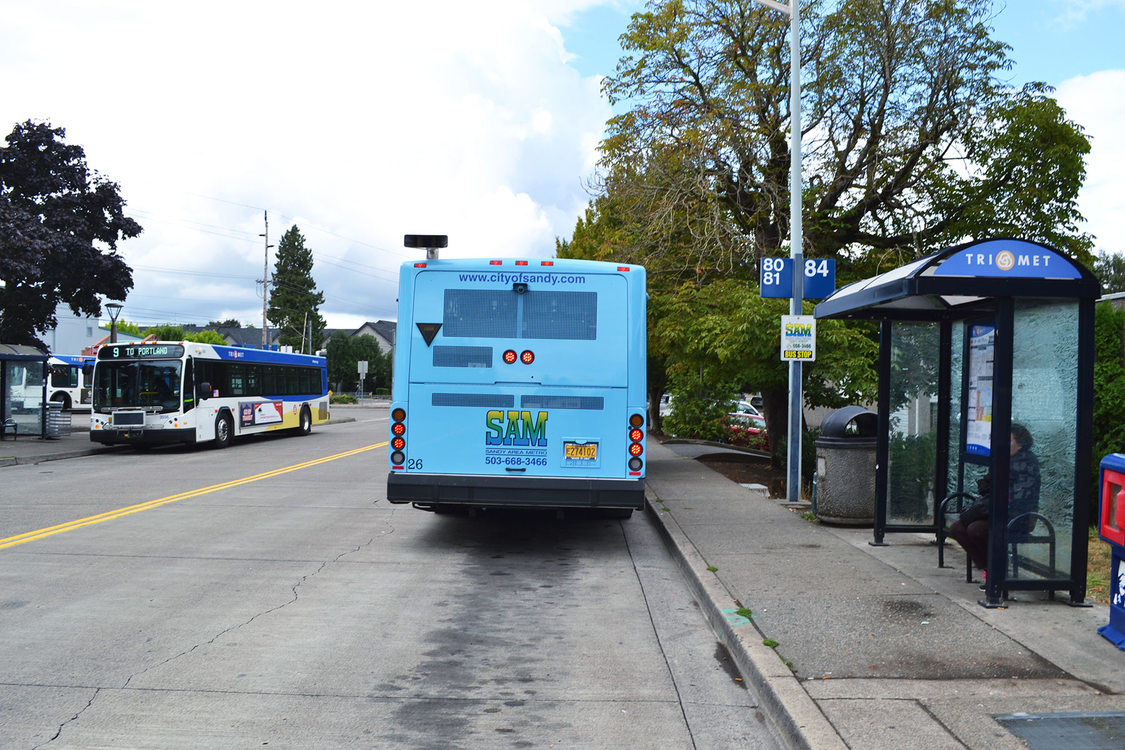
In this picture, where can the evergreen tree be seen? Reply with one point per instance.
(294, 300)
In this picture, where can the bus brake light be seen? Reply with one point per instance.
(636, 449)
(510, 356)
(527, 356)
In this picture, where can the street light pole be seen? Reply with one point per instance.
(114, 310)
(796, 400)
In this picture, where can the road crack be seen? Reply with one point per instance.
(295, 590)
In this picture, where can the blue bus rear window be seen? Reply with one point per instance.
(501, 313)
(560, 315)
(479, 313)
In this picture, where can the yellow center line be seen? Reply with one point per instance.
(31, 536)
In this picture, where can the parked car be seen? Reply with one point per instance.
(747, 430)
(745, 407)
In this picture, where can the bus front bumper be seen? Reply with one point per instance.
(515, 492)
(140, 436)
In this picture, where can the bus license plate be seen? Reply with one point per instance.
(580, 451)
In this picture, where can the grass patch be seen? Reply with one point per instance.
(1098, 585)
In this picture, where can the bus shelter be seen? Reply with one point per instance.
(23, 390)
(980, 342)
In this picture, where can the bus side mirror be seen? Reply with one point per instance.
(204, 391)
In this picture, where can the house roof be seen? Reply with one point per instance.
(384, 328)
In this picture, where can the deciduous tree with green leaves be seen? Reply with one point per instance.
(60, 223)
(294, 305)
(913, 141)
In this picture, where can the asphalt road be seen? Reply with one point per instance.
(267, 595)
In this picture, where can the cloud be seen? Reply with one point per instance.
(1091, 101)
(359, 122)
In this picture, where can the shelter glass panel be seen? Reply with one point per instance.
(911, 468)
(1045, 402)
(23, 397)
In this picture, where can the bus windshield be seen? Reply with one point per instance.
(153, 385)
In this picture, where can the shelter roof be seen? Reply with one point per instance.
(963, 276)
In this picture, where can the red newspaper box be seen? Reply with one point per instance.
(1111, 528)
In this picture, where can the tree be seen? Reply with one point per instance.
(171, 332)
(1110, 270)
(908, 130)
(294, 305)
(228, 323)
(60, 224)
(344, 354)
(912, 141)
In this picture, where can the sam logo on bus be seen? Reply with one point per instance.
(516, 428)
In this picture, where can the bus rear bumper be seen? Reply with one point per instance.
(515, 492)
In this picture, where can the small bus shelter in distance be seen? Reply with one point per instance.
(974, 339)
(23, 390)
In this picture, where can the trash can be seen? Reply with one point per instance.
(845, 467)
(1111, 528)
(58, 423)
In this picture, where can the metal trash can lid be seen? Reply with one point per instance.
(835, 425)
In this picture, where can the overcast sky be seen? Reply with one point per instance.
(362, 121)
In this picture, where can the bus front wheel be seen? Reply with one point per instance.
(304, 424)
(223, 430)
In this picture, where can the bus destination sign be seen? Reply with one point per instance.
(141, 351)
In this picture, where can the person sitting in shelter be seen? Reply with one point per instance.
(971, 529)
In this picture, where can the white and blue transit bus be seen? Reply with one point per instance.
(519, 383)
(183, 392)
(68, 380)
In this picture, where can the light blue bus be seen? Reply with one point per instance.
(519, 383)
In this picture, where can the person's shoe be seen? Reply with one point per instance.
(983, 581)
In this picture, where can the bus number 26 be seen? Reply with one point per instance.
(414, 464)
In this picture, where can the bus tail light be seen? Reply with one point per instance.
(636, 443)
(527, 356)
(510, 356)
(398, 442)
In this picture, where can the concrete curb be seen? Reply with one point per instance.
(791, 712)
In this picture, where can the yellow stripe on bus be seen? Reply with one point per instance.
(31, 536)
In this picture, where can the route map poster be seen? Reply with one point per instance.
(978, 402)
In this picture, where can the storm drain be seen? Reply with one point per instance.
(1078, 731)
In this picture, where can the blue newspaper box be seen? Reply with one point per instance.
(1111, 528)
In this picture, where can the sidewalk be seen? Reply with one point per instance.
(887, 650)
(32, 449)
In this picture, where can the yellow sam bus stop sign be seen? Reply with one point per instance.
(798, 338)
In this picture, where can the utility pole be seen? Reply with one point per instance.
(266, 281)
